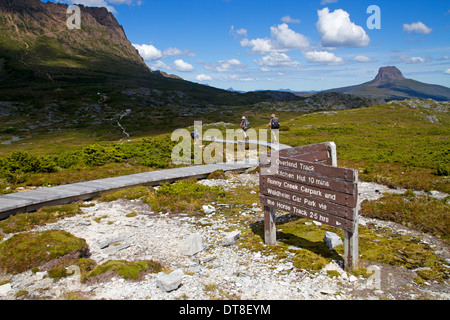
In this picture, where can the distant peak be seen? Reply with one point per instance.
(389, 73)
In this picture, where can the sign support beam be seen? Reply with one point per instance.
(270, 229)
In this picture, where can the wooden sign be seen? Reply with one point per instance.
(309, 213)
(306, 181)
(303, 188)
(308, 202)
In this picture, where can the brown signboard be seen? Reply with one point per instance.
(308, 213)
(344, 199)
(312, 167)
(312, 179)
(308, 201)
(319, 152)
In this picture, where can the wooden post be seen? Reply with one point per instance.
(351, 244)
(351, 249)
(270, 229)
(332, 153)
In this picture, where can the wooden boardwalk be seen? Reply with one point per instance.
(32, 200)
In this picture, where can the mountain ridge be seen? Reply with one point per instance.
(390, 84)
(41, 57)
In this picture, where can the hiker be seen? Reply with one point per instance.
(195, 135)
(245, 125)
(274, 124)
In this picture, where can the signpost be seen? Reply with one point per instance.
(306, 181)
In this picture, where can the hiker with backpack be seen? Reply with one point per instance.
(274, 124)
(245, 125)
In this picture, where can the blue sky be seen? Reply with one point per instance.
(300, 45)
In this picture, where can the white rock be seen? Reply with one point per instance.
(231, 238)
(192, 245)
(171, 281)
(5, 289)
(40, 275)
(332, 240)
(208, 209)
(352, 278)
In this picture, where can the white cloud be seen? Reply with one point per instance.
(95, 3)
(240, 32)
(183, 66)
(288, 39)
(362, 59)
(337, 30)
(408, 59)
(148, 52)
(277, 59)
(283, 39)
(288, 19)
(203, 77)
(105, 3)
(258, 45)
(224, 65)
(120, 1)
(158, 65)
(447, 71)
(323, 57)
(417, 28)
(235, 77)
(323, 2)
(177, 52)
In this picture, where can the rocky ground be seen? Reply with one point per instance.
(205, 261)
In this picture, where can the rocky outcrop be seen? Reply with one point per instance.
(386, 74)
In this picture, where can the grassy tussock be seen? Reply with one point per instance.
(182, 196)
(25, 251)
(422, 213)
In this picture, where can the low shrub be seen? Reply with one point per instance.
(419, 212)
(15, 167)
(182, 196)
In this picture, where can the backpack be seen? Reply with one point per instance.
(275, 124)
(246, 124)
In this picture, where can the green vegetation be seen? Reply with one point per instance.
(129, 194)
(395, 249)
(26, 221)
(94, 161)
(392, 144)
(125, 269)
(422, 213)
(182, 196)
(27, 250)
(15, 167)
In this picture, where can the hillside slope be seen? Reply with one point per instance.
(41, 56)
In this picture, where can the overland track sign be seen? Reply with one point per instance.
(306, 181)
